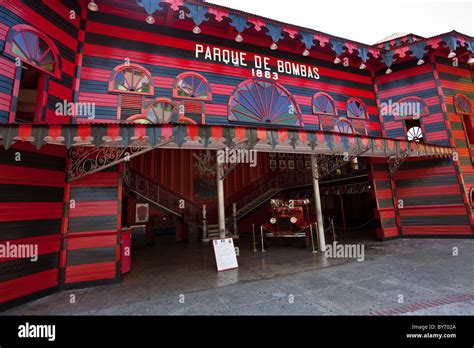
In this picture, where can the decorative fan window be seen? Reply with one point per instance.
(323, 104)
(131, 78)
(343, 126)
(192, 86)
(160, 111)
(462, 104)
(414, 131)
(264, 101)
(410, 108)
(33, 47)
(356, 108)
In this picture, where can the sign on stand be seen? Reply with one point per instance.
(225, 254)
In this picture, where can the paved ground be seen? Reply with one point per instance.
(181, 279)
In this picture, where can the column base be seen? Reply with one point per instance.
(205, 240)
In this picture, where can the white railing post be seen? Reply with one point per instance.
(234, 217)
(205, 237)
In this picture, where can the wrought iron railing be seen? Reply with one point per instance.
(168, 200)
(264, 185)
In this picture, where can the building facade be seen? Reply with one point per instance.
(101, 100)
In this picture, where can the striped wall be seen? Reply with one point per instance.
(31, 211)
(385, 199)
(166, 49)
(433, 202)
(407, 80)
(52, 17)
(453, 80)
(93, 221)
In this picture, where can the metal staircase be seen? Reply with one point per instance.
(259, 192)
(267, 189)
(159, 197)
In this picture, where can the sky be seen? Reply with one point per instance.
(366, 21)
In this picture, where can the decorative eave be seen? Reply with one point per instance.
(187, 136)
(375, 57)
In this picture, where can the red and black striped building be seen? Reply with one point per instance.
(101, 99)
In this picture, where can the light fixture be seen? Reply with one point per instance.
(451, 54)
(239, 38)
(354, 163)
(274, 46)
(337, 60)
(420, 62)
(293, 219)
(273, 220)
(150, 19)
(388, 71)
(306, 52)
(196, 30)
(93, 6)
(362, 66)
(470, 60)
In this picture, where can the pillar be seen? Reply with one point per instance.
(205, 238)
(317, 201)
(234, 218)
(220, 200)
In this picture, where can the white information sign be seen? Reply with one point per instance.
(225, 254)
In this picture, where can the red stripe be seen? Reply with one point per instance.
(99, 208)
(15, 211)
(94, 271)
(17, 175)
(27, 285)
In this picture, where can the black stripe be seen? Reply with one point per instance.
(93, 255)
(28, 193)
(386, 203)
(434, 220)
(30, 159)
(90, 194)
(92, 223)
(389, 222)
(432, 200)
(429, 181)
(29, 228)
(23, 267)
(383, 184)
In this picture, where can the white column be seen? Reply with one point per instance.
(220, 199)
(317, 201)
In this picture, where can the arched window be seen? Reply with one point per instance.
(159, 111)
(462, 105)
(131, 78)
(264, 101)
(33, 47)
(356, 108)
(410, 108)
(471, 196)
(343, 126)
(323, 104)
(192, 86)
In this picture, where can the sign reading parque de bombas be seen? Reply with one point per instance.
(262, 66)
